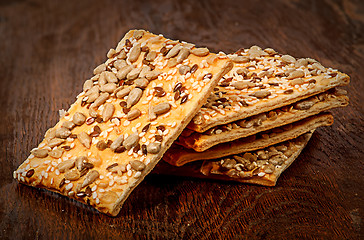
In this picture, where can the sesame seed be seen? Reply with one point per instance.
(129, 173)
(94, 195)
(69, 186)
(111, 183)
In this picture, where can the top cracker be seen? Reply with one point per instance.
(260, 81)
(127, 116)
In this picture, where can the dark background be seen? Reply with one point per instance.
(48, 48)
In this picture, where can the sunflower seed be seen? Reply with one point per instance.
(134, 53)
(92, 97)
(122, 54)
(100, 100)
(270, 51)
(172, 62)
(138, 34)
(318, 66)
(211, 59)
(50, 134)
(87, 85)
(66, 165)
(90, 177)
(63, 132)
(304, 105)
(78, 118)
(182, 55)
(154, 147)
(110, 77)
(108, 111)
(137, 165)
(99, 69)
(92, 112)
(102, 79)
(111, 53)
(288, 59)
(184, 69)
(68, 124)
(108, 87)
(123, 92)
(152, 75)
(200, 52)
(72, 175)
(134, 97)
(133, 74)
(56, 153)
(117, 142)
(79, 162)
(239, 59)
(141, 83)
(55, 142)
(297, 81)
(151, 56)
(133, 114)
(123, 72)
(296, 74)
(240, 85)
(261, 94)
(174, 51)
(151, 114)
(40, 153)
(161, 108)
(131, 141)
(85, 139)
(118, 64)
(301, 62)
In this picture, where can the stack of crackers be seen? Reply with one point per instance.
(243, 117)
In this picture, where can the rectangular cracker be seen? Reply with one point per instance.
(260, 81)
(275, 118)
(125, 119)
(262, 167)
(178, 155)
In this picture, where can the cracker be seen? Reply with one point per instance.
(260, 81)
(125, 119)
(277, 117)
(262, 167)
(178, 155)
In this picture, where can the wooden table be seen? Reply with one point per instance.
(48, 48)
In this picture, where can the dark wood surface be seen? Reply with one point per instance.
(48, 48)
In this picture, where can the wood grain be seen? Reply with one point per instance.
(48, 48)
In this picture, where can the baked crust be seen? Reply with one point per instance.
(264, 121)
(260, 81)
(107, 142)
(178, 155)
(234, 168)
